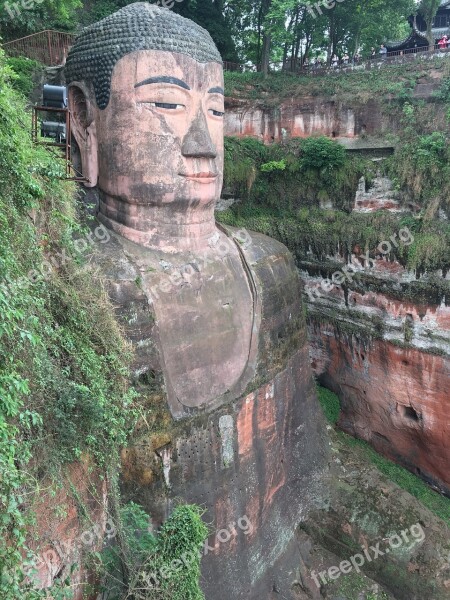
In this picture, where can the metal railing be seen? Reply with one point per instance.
(48, 47)
(51, 48)
(296, 67)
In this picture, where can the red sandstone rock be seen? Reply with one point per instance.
(397, 399)
(62, 536)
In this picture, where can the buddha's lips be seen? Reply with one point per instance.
(203, 177)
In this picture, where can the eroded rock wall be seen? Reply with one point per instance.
(302, 117)
(387, 358)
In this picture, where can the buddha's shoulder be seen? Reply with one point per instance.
(272, 267)
(267, 257)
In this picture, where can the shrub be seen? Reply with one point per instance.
(321, 153)
(165, 567)
(63, 361)
(24, 69)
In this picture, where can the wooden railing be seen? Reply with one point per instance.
(48, 47)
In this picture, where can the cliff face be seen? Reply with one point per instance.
(388, 361)
(380, 339)
(379, 332)
(302, 117)
(327, 105)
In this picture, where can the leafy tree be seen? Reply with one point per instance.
(321, 153)
(428, 9)
(210, 14)
(17, 21)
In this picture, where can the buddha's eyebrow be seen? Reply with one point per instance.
(217, 90)
(164, 79)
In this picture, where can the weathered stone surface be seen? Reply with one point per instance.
(272, 480)
(395, 398)
(304, 115)
(214, 314)
(135, 27)
(388, 360)
(259, 454)
(299, 117)
(378, 196)
(367, 513)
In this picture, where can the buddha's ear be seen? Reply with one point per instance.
(84, 130)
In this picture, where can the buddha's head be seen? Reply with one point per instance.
(147, 102)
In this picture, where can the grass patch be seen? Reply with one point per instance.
(24, 70)
(330, 404)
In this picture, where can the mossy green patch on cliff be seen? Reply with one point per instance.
(420, 166)
(389, 81)
(312, 233)
(330, 404)
(297, 173)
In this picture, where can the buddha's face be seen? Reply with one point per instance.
(160, 139)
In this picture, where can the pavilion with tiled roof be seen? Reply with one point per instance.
(417, 38)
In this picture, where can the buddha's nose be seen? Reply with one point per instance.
(197, 142)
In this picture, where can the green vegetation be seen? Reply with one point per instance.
(330, 404)
(63, 361)
(24, 69)
(165, 567)
(286, 176)
(438, 504)
(18, 19)
(260, 31)
(325, 232)
(420, 166)
(391, 85)
(355, 586)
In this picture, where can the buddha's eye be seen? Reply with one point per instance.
(166, 105)
(217, 113)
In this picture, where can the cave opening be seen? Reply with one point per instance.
(410, 413)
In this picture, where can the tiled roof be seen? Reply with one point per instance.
(399, 43)
(440, 31)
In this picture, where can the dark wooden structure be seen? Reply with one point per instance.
(417, 39)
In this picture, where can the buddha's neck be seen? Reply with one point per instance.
(169, 227)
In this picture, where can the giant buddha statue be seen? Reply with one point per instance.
(214, 314)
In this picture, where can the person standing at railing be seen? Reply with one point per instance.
(382, 51)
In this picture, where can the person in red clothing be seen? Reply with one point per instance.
(442, 43)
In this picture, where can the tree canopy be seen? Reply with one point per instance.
(259, 31)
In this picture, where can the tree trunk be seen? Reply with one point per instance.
(430, 36)
(357, 41)
(330, 48)
(285, 55)
(258, 50)
(267, 39)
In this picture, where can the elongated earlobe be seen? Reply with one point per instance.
(84, 131)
